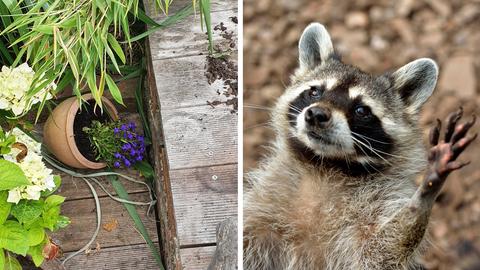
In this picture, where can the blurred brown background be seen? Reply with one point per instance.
(379, 36)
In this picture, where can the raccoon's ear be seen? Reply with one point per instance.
(416, 81)
(315, 46)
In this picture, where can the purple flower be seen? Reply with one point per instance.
(116, 164)
(132, 126)
(127, 163)
(116, 131)
(117, 155)
(140, 138)
(133, 152)
(126, 147)
(130, 136)
(123, 127)
(139, 158)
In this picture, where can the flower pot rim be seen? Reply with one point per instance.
(71, 114)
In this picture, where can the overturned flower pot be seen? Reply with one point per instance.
(63, 134)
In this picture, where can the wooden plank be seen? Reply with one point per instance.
(179, 4)
(200, 136)
(175, 76)
(203, 198)
(186, 38)
(115, 258)
(74, 188)
(197, 258)
(170, 246)
(83, 216)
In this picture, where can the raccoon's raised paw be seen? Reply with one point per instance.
(443, 155)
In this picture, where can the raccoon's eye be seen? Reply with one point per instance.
(363, 112)
(316, 91)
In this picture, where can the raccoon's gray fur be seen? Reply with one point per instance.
(337, 190)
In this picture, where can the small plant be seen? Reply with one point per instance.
(27, 207)
(116, 143)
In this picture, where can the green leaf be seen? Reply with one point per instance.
(44, 29)
(50, 217)
(4, 207)
(35, 236)
(11, 263)
(145, 169)
(38, 222)
(27, 211)
(113, 88)
(62, 222)
(36, 254)
(2, 258)
(53, 200)
(13, 237)
(116, 47)
(11, 175)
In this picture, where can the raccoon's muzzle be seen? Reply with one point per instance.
(319, 117)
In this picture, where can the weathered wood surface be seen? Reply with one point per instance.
(203, 197)
(74, 188)
(200, 140)
(137, 257)
(225, 257)
(83, 217)
(115, 258)
(200, 136)
(181, 84)
(186, 38)
(197, 258)
(170, 246)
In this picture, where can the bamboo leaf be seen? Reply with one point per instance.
(116, 47)
(180, 15)
(113, 88)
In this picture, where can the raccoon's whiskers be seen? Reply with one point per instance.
(294, 108)
(258, 107)
(371, 149)
(266, 124)
(385, 153)
(366, 137)
(367, 162)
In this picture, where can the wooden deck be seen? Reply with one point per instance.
(200, 140)
(194, 155)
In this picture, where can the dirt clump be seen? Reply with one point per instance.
(221, 67)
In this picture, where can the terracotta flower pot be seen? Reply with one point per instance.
(59, 137)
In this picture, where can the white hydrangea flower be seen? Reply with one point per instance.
(14, 85)
(37, 173)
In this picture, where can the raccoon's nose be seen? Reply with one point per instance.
(318, 116)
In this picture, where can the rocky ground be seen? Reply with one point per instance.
(379, 36)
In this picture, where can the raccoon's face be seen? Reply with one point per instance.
(337, 112)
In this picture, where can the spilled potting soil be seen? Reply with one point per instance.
(223, 68)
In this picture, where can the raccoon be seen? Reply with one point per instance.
(338, 189)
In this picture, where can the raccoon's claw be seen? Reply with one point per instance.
(463, 143)
(461, 130)
(442, 156)
(452, 120)
(435, 133)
